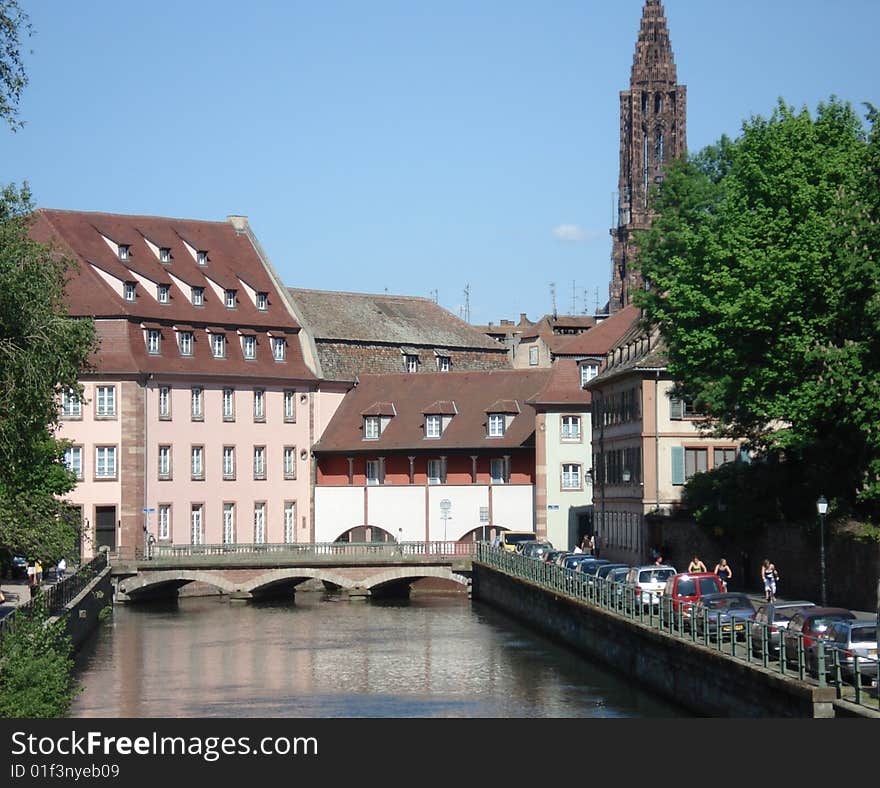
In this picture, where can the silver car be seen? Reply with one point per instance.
(649, 581)
(849, 639)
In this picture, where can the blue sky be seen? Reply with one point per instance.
(416, 147)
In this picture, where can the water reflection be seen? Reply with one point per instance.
(429, 656)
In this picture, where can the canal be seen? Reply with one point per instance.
(323, 656)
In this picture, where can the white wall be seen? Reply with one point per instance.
(398, 510)
(337, 509)
(513, 507)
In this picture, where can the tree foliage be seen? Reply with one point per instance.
(13, 78)
(763, 265)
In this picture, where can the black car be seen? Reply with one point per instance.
(732, 612)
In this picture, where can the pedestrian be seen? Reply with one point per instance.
(61, 568)
(696, 565)
(32, 577)
(587, 544)
(39, 570)
(658, 561)
(724, 572)
(770, 577)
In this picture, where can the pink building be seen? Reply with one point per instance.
(200, 408)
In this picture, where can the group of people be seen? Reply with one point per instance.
(769, 574)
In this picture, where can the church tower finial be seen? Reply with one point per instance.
(653, 131)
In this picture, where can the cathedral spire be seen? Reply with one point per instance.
(653, 60)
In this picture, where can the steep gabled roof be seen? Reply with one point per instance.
(599, 340)
(563, 388)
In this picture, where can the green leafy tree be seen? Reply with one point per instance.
(13, 78)
(764, 280)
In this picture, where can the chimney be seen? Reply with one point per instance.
(239, 223)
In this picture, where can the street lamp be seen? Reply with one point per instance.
(822, 508)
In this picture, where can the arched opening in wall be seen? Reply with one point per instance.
(485, 533)
(363, 534)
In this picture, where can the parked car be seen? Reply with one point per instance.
(773, 618)
(649, 581)
(683, 590)
(570, 562)
(732, 612)
(551, 555)
(536, 550)
(592, 565)
(508, 540)
(604, 570)
(848, 639)
(811, 624)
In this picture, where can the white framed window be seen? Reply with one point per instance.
(202, 257)
(164, 254)
(484, 514)
(289, 522)
(71, 406)
(196, 524)
(197, 454)
(411, 363)
(198, 296)
(228, 523)
(279, 347)
(262, 301)
(229, 299)
(122, 251)
(444, 363)
(229, 462)
(105, 462)
(290, 462)
(498, 470)
(197, 398)
(433, 426)
(588, 372)
(571, 428)
(289, 406)
(260, 523)
(228, 404)
(105, 401)
(249, 346)
(73, 460)
(164, 526)
(218, 345)
(371, 428)
(533, 356)
(164, 462)
(259, 405)
(372, 472)
(164, 402)
(163, 293)
(496, 425)
(154, 340)
(259, 462)
(435, 471)
(130, 291)
(571, 476)
(185, 342)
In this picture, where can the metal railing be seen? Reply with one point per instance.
(56, 596)
(379, 550)
(757, 644)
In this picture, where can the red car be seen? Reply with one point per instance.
(811, 624)
(684, 589)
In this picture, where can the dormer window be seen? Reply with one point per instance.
(496, 425)
(278, 348)
(444, 363)
(230, 299)
(122, 251)
(198, 296)
(164, 255)
(185, 342)
(154, 339)
(163, 294)
(262, 301)
(202, 257)
(411, 363)
(588, 372)
(249, 346)
(218, 345)
(130, 291)
(433, 426)
(372, 428)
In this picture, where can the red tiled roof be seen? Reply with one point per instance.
(599, 340)
(564, 386)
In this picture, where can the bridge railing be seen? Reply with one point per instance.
(378, 550)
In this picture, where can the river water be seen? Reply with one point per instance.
(324, 656)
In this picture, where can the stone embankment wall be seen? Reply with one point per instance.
(82, 614)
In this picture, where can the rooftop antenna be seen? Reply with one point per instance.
(435, 296)
(586, 303)
(597, 301)
(573, 297)
(467, 303)
(553, 296)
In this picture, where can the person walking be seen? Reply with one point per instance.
(696, 565)
(724, 572)
(32, 577)
(60, 569)
(770, 577)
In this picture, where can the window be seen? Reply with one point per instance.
(162, 294)
(259, 523)
(433, 426)
(218, 345)
(411, 363)
(484, 514)
(196, 403)
(571, 428)
(228, 404)
(723, 456)
(228, 523)
(164, 402)
(371, 428)
(435, 471)
(682, 409)
(444, 363)
(164, 521)
(71, 406)
(498, 470)
(130, 291)
(105, 402)
(259, 462)
(198, 296)
(164, 255)
(289, 522)
(588, 372)
(185, 342)
(290, 462)
(259, 405)
(122, 251)
(202, 257)
(73, 460)
(229, 299)
(229, 462)
(197, 454)
(154, 337)
(105, 462)
(196, 524)
(496, 425)
(249, 346)
(164, 462)
(571, 476)
(372, 472)
(533, 356)
(262, 301)
(695, 461)
(289, 406)
(278, 348)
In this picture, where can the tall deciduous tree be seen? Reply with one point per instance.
(763, 266)
(14, 26)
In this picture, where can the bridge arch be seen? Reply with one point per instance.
(292, 577)
(412, 573)
(149, 584)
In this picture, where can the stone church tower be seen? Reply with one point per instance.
(653, 131)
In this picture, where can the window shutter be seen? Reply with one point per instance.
(381, 470)
(443, 470)
(678, 464)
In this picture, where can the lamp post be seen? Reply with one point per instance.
(822, 508)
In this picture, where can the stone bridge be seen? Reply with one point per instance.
(265, 571)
